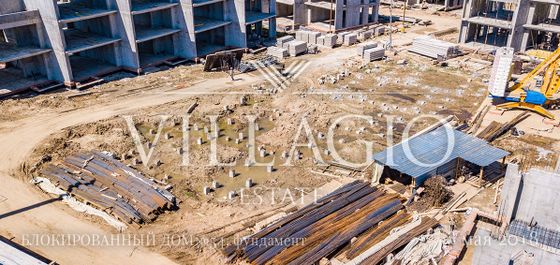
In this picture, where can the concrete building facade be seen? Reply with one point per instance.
(327, 16)
(519, 24)
(77, 40)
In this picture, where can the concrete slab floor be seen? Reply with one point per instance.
(206, 49)
(84, 67)
(13, 81)
(149, 59)
(202, 24)
(254, 17)
(146, 33)
(197, 3)
(78, 41)
(72, 12)
(9, 53)
(141, 7)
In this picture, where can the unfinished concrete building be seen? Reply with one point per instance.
(24, 54)
(521, 25)
(529, 215)
(444, 5)
(326, 16)
(492, 23)
(82, 39)
(542, 26)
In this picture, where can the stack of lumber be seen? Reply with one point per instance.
(496, 129)
(106, 183)
(322, 228)
(434, 48)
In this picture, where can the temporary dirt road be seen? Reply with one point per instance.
(19, 217)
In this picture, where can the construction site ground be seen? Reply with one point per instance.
(404, 86)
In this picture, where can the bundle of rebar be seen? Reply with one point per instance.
(319, 229)
(99, 179)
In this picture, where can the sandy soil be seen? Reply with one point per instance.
(57, 125)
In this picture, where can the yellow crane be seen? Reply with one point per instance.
(537, 90)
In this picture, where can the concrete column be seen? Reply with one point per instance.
(185, 45)
(271, 6)
(364, 14)
(527, 32)
(236, 34)
(352, 13)
(58, 60)
(520, 17)
(375, 13)
(189, 36)
(338, 15)
(463, 33)
(301, 16)
(125, 30)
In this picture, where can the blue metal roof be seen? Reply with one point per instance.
(422, 154)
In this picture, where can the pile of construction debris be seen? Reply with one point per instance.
(323, 228)
(99, 179)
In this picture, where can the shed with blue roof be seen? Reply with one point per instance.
(443, 151)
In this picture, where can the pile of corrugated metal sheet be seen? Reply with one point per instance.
(297, 47)
(434, 48)
(282, 40)
(373, 54)
(323, 228)
(280, 53)
(106, 183)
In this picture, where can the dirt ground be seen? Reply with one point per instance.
(60, 123)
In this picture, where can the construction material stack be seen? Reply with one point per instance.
(297, 47)
(99, 179)
(279, 53)
(370, 51)
(281, 42)
(373, 54)
(434, 48)
(326, 226)
(364, 46)
(501, 72)
(330, 40)
(350, 39)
